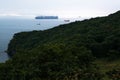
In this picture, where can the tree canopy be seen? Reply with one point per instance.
(65, 52)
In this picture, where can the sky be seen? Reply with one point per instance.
(62, 8)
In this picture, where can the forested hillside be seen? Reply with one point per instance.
(99, 35)
(65, 52)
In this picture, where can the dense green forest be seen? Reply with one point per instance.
(76, 51)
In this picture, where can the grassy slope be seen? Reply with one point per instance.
(105, 66)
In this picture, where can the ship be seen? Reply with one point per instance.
(67, 20)
(46, 17)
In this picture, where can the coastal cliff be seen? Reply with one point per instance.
(93, 33)
(66, 52)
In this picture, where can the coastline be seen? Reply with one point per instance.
(3, 57)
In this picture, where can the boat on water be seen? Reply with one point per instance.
(38, 24)
(67, 20)
(46, 17)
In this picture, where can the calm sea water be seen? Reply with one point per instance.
(8, 27)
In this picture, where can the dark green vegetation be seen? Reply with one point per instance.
(72, 51)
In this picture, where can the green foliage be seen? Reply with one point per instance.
(114, 74)
(100, 35)
(53, 61)
(65, 52)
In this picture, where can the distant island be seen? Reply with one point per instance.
(46, 17)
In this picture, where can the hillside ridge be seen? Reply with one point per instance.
(81, 50)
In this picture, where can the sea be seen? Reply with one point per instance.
(8, 27)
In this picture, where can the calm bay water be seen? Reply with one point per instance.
(8, 27)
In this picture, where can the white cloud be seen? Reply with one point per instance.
(62, 8)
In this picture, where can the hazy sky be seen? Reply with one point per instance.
(62, 8)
